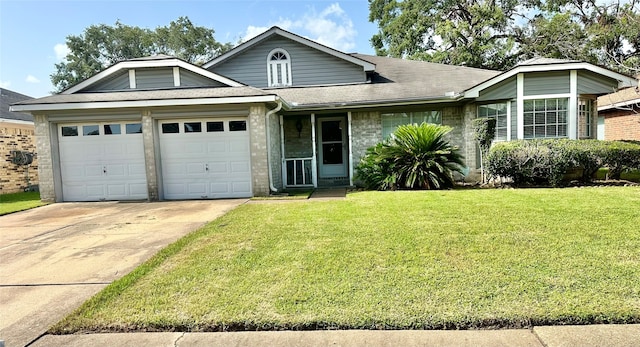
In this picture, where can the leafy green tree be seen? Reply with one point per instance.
(414, 157)
(474, 33)
(101, 46)
(497, 34)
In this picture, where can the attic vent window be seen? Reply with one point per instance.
(279, 68)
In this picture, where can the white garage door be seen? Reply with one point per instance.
(102, 161)
(205, 158)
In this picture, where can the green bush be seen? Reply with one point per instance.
(542, 162)
(414, 157)
(534, 162)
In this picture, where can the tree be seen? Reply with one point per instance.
(484, 131)
(605, 33)
(474, 33)
(498, 33)
(101, 46)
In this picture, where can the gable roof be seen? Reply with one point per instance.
(149, 62)
(367, 66)
(395, 82)
(549, 64)
(8, 97)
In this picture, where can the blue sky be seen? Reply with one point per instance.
(32, 33)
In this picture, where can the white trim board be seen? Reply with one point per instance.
(623, 80)
(144, 103)
(367, 66)
(160, 62)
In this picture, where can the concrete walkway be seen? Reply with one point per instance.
(55, 257)
(556, 336)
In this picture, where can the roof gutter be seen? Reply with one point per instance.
(373, 104)
(92, 105)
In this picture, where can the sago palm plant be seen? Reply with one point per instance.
(414, 157)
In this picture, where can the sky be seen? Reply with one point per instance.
(33, 33)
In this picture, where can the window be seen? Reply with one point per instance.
(585, 116)
(112, 129)
(545, 118)
(70, 131)
(195, 127)
(237, 125)
(215, 127)
(170, 128)
(279, 68)
(135, 128)
(499, 113)
(90, 130)
(391, 121)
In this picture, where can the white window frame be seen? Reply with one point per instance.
(279, 69)
(566, 123)
(404, 118)
(495, 115)
(586, 114)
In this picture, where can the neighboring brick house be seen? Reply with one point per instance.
(619, 115)
(282, 111)
(17, 144)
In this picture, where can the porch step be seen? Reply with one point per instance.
(333, 182)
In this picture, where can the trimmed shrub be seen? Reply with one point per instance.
(414, 157)
(542, 162)
(534, 162)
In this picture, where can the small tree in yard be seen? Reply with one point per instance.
(484, 131)
(414, 157)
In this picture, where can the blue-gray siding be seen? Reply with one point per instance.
(504, 90)
(119, 81)
(591, 83)
(190, 79)
(514, 120)
(541, 83)
(308, 66)
(154, 78)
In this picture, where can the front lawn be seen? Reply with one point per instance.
(391, 260)
(15, 202)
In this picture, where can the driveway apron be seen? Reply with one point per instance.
(55, 257)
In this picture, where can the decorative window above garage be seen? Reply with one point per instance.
(279, 68)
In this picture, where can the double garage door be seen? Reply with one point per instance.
(200, 159)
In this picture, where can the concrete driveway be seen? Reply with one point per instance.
(55, 257)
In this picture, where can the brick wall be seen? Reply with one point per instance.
(366, 132)
(622, 125)
(16, 137)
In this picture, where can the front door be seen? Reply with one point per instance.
(332, 147)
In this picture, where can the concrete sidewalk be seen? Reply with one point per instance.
(544, 336)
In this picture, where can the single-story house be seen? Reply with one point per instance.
(619, 114)
(18, 163)
(281, 111)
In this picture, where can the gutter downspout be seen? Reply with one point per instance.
(266, 121)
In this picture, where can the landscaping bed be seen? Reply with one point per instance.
(455, 259)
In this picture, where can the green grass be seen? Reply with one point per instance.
(391, 260)
(15, 202)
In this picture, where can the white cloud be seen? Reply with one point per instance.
(331, 27)
(32, 79)
(61, 51)
(5, 84)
